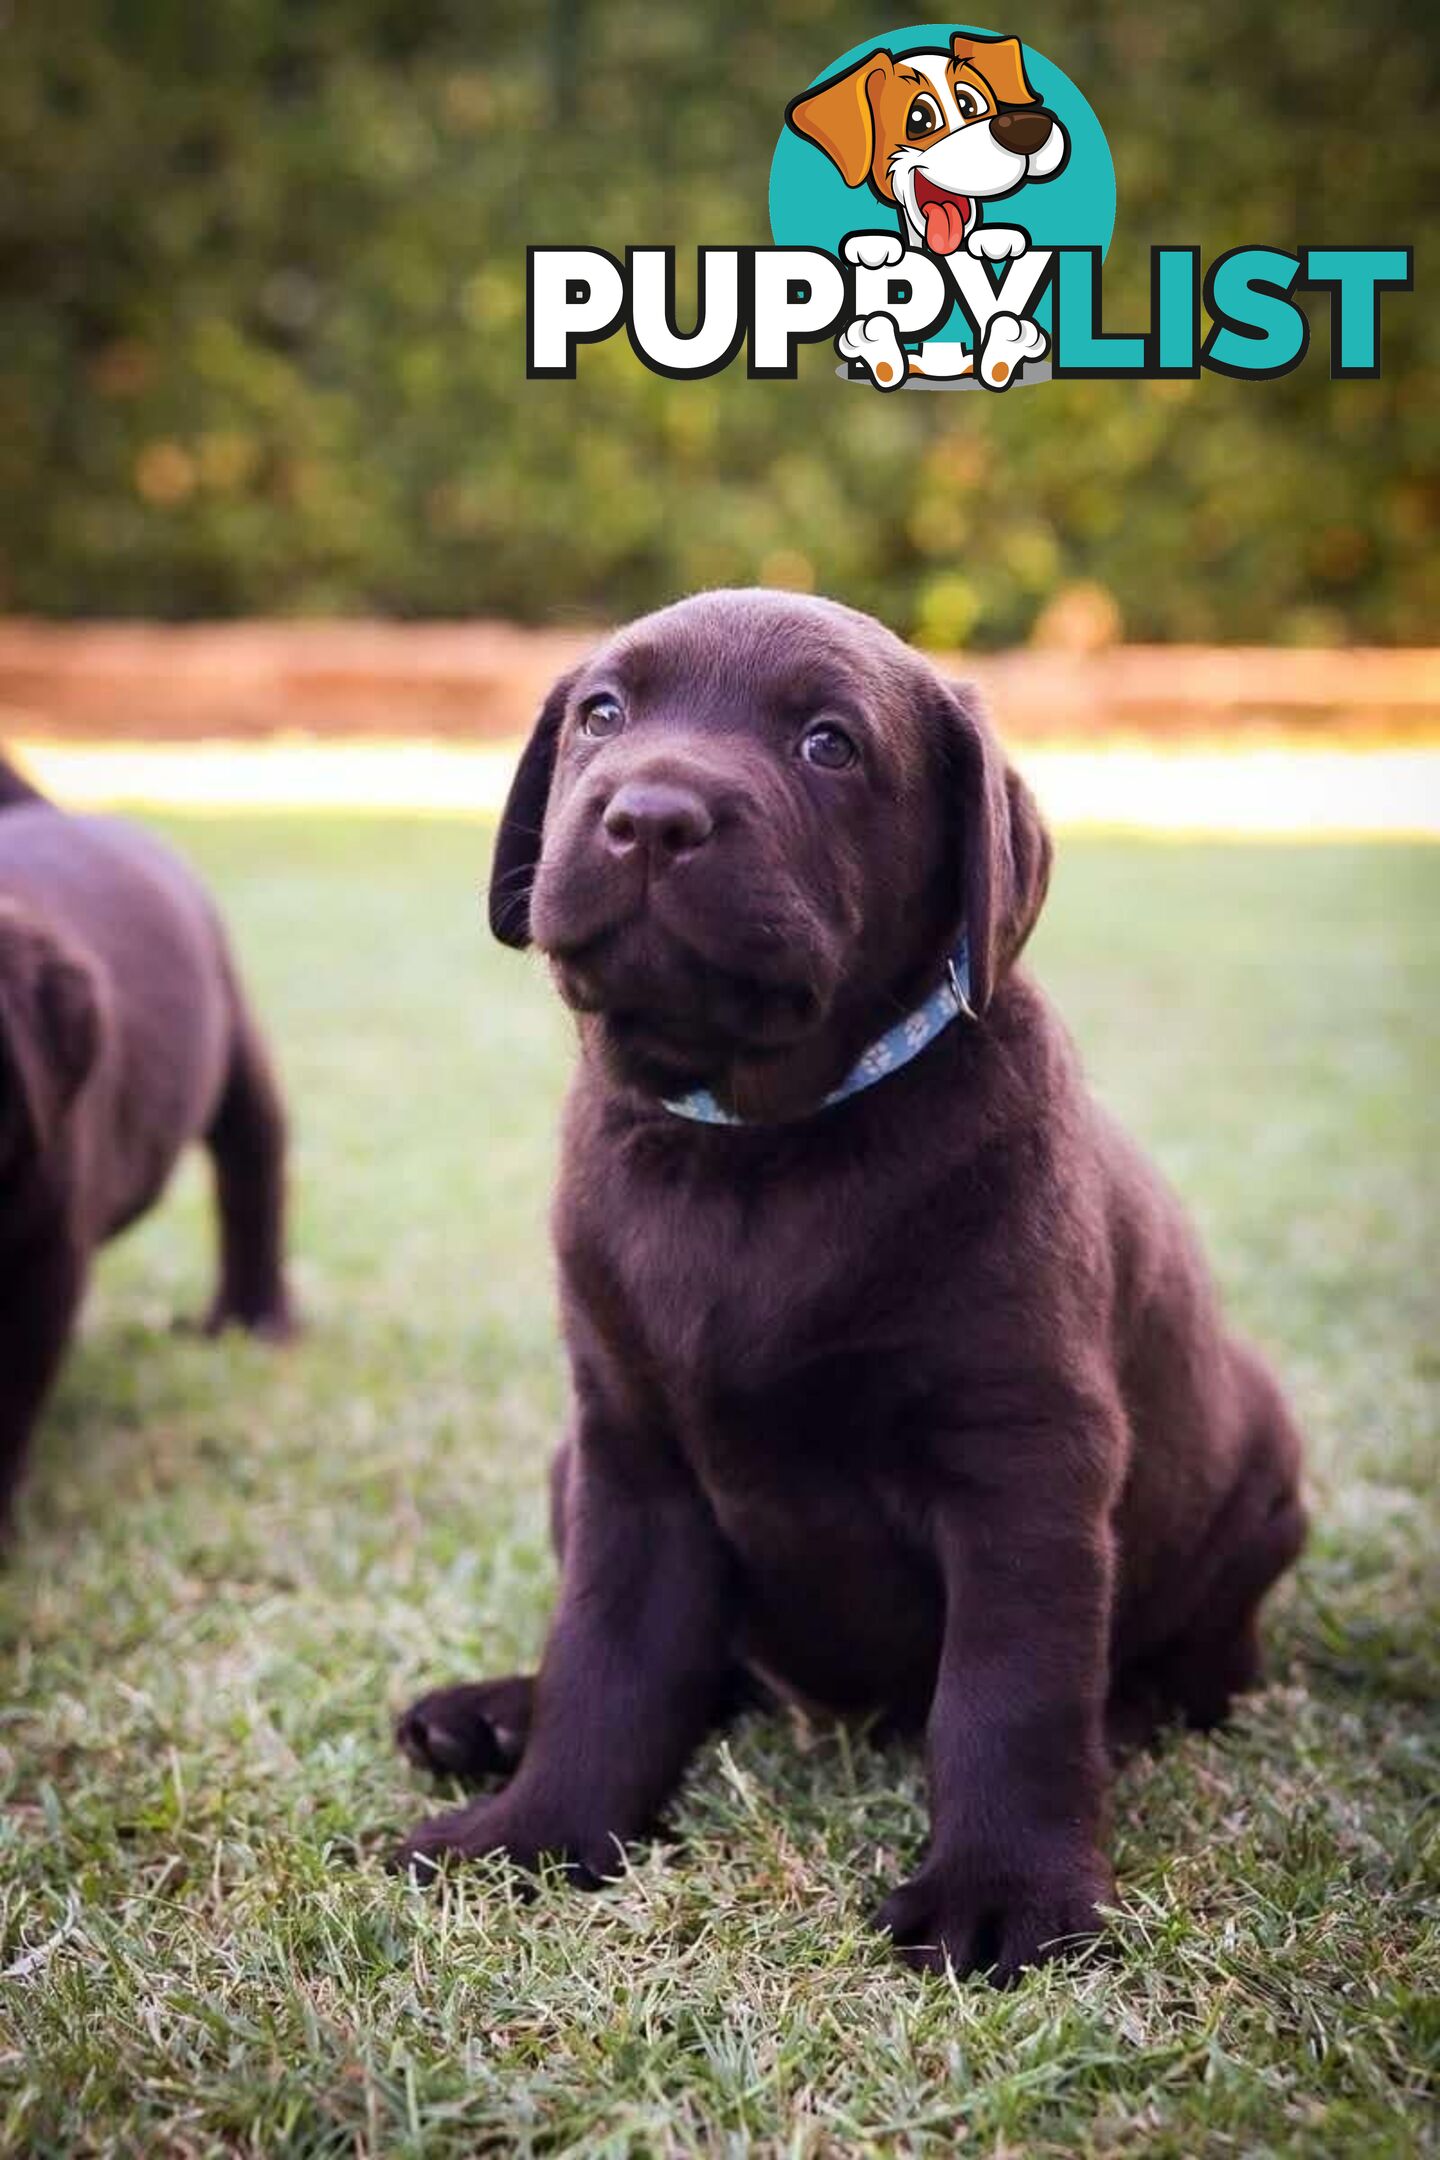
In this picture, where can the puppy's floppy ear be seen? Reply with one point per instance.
(522, 824)
(839, 116)
(1001, 62)
(49, 1026)
(1006, 847)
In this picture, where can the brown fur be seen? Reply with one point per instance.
(858, 118)
(123, 1035)
(919, 1406)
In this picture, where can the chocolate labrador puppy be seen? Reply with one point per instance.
(899, 1379)
(123, 1035)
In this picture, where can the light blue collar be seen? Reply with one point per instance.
(885, 1055)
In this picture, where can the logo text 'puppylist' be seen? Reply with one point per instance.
(941, 202)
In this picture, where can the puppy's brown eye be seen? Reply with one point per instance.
(922, 119)
(600, 717)
(827, 746)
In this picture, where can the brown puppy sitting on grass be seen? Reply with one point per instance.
(899, 1379)
(123, 1035)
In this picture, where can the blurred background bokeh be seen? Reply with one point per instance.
(263, 269)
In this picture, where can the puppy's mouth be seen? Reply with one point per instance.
(945, 215)
(671, 1016)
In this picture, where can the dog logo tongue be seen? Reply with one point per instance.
(945, 217)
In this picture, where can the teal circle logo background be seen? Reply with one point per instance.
(810, 205)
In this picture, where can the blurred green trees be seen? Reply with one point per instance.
(262, 265)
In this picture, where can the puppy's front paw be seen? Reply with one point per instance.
(997, 1920)
(467, 1833)
(873, 250)
(495, 1827)
(875, 343)
(1009, 343)
(996, 243)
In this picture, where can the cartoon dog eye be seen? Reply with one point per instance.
(923, 117)
(970, 102)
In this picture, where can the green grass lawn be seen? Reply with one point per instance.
(234, 1565)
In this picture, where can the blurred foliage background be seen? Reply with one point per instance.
(263, 343)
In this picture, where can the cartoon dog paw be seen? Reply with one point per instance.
(874, 342)
(874, 250)
(997, 243)
(1009, 342)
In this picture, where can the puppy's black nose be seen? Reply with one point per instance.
(667, 821)
(1022, 132)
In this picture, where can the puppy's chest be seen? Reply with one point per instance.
(769, 1355)
(724, 1301)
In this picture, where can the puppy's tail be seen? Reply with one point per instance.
(14, 787)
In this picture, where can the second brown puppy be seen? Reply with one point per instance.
(124, 1035)
(909, 1391)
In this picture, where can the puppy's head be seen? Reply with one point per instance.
(49, 1035)
(747, 833)
(935, 133)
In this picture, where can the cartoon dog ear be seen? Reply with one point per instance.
(1001, 62)
(839, 116)
(522, 824)
(49, 1029)
(1007, 848)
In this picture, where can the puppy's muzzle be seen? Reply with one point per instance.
(1022, 132)
(658, 820)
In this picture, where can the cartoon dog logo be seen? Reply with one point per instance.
(936, 134)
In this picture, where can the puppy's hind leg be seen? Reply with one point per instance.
(478, 1729)
(39, 1298)
(1215, 1656)
(247, 1141)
